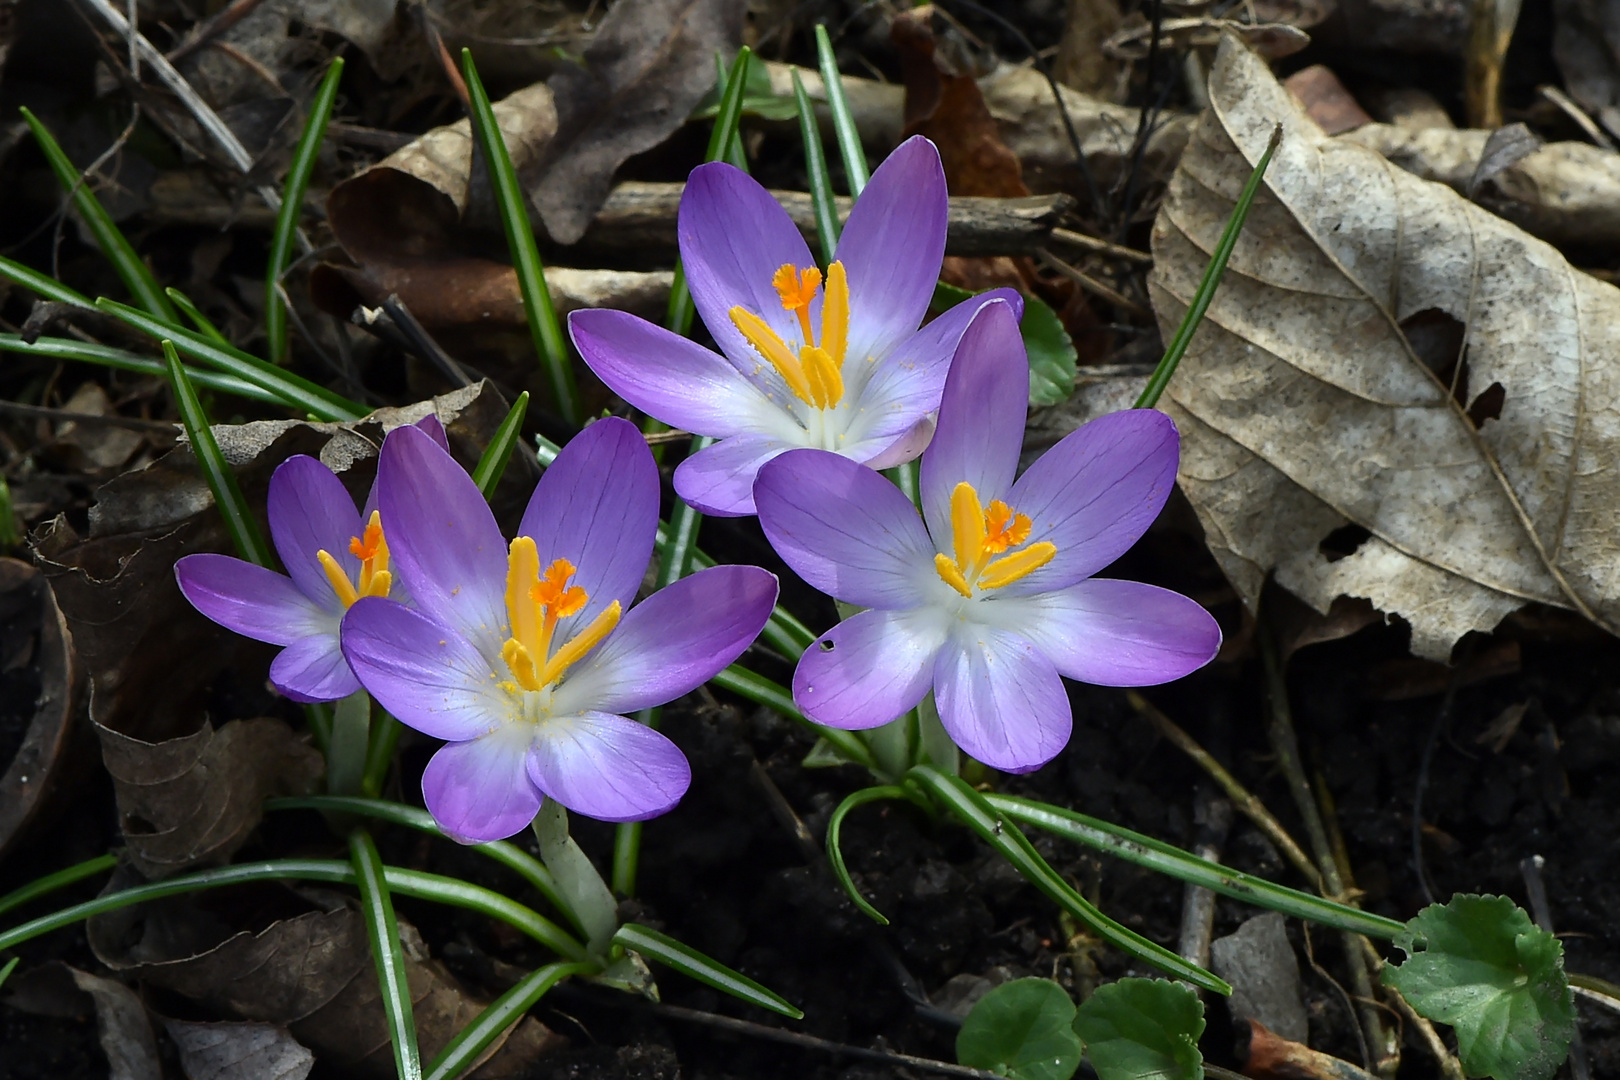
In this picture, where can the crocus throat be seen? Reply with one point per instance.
(815, 373)
(978, 535)
(372, 551)
(534, 604)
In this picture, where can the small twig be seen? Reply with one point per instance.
(1092, 285)
(784, 813)
(1101, 247)
(17, 408)
(436, 45)
(658, 438)
(212, 27)
(1344, 997)
(1540, 910)
(422, 342)
(1577, 114)
(262, 73)
(1214, 818)
(1419, 865)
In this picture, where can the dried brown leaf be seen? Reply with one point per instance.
(39, 677)
(1304, 406)
(227, 1051)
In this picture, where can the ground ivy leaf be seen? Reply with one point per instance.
(1022, 1029)
(1480, 965)
(1143, 1029)
(1051, 354)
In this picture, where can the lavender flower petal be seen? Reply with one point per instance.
(607, 767)
(845, 529)
(250, 600)
(891, 248)
(480, 790)
(719, 480)
(426, 674)
(597, 507)
(443, 536)
(310, 510)
(870, 668)
(1095, 493)
(1000, 699)
(673, 642)
(313, 669)
(981, 418)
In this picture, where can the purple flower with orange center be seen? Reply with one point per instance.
(836, 364)
(524, 655)
(992, 600)
(334, 555)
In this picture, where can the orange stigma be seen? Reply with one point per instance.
(814, 371)
(372, 550)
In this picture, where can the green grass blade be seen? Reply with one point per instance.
(11, 965)
(239, 521)
(995, 829)
(849, 138)
(292, 205)
(1140, 850)
(835, 848)
(290, 390)
(43, 284)
(462, 1051)
(131, 270)
(195, 316)
(492, 465)
(694, 965)
(514, 212)
(382, 929)
(815, 164)
(59, 880)
(1208, 284)
(107, 356)
(762, 691)
(380, 745)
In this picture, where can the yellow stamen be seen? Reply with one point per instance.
(340, 581)
(967, 527)
(1004, 529)
(521, 664)
(826, 384)
(951, 575)
(522, 576)
(581, 643)
(1009, 568)
(835, 314)
(371, 548)
(774, 350)
(797, 288)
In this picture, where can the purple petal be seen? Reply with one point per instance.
(480, 790)
(671, 377)
(844, 529)
(981, 418)
(673, 642)
(597, 507)
(907, 383)
(1095, 493)
(608, 767)
(443, 536)
(892, 246)
(430, 424)
(1114, 633)
(870, 668)
(250, 600)
(426, 674)
(719, 480)
(1000, 699)
(912, 442)
(313, 669)
(734, 236)
(310, 510)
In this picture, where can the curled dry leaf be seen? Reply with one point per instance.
(226, 1051)
(122, 1026)
(38, 680)
(1306, 403)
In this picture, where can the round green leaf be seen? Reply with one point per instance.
(1051, 353)
(1143, 1029)
(1022, 1029)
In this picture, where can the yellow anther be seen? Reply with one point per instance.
(967, 528)
(371, 548)
(951, 575)
(774, 350)
(340, 581)
(524, 615)
(521, 665)
(1009, 568)
(581, 643)
(1003, 528)
(821, 372)
(835, 314)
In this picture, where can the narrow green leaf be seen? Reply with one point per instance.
(849, 137)
(60, 880)
(1022, 1029)
(380, 744)
(1001, 833)
(1141, 850)
(239, 520)
(762, 691)
(106, 356)
(43, 284)
(1143, 1029)
(137, 278)
(513, 207)
(1479, 964)
(350, 740)
(492, 464)
(292, 205)
(11, 965)
(1209, 283)
(195, 316)
(815, 165)
(694, 965)
(382, 929)
(1051, 353)
(461, 1052)
(10, 535)
(835, 849)
(293, 391)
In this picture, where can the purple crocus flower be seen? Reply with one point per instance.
(843, 369)
(523, 655)
(333, 554)
(993, 600)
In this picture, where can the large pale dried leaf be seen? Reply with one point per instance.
(38, 684)
(122, 1028)
(1305, 407)
(227, 1051)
